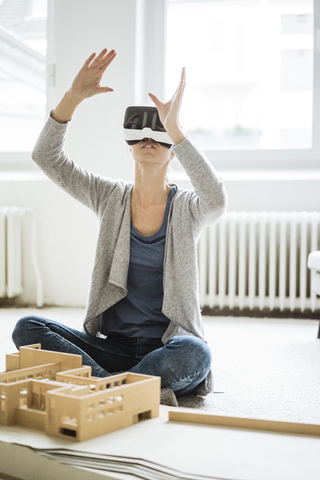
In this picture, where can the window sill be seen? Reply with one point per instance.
(257, 175)
(22, 176)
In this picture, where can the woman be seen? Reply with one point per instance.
(143, 311)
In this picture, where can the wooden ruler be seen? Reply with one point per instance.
(244, 423)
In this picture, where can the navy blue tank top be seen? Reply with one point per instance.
(139, 313)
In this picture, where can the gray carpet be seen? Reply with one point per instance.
(263, 368)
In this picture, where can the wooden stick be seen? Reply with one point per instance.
(245, 423)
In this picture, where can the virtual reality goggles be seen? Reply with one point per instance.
(144, 122)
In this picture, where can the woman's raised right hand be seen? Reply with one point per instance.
(87, 82)
(85, 85)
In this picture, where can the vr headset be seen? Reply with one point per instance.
(144, 122)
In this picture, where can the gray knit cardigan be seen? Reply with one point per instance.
(190, 212)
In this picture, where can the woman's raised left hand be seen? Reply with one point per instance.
(169, 112)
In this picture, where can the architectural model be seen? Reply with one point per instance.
(53, 392)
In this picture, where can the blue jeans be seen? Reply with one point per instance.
(182, 363)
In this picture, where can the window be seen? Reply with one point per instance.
(23, 33)
(250, 75)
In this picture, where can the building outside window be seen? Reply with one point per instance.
(250, 67)
(23, 45)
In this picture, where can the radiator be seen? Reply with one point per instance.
(17, 239)
(259, 260)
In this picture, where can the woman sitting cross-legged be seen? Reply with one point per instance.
(143, 312)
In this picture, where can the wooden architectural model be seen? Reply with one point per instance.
(53, 392)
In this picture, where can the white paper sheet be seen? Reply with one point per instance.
(197, 450)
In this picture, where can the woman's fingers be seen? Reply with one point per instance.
(104, 63)
(104, 89)
(89, 60)
(183, 79)
(169, 111)
(87, 82)
(107, 60)
(178, 93)
(181, 86)
(98, 58)
(100, 61)
(155, 100)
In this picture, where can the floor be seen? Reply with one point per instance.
(262, 368)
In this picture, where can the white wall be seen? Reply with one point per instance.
(66, 234)
(66, 229)
(96, 138)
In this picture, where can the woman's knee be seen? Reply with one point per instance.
(193, 350)
(20, 334)
(199, 349)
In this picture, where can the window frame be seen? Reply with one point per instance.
(254, 158)
(16, 160)
(150, 76)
